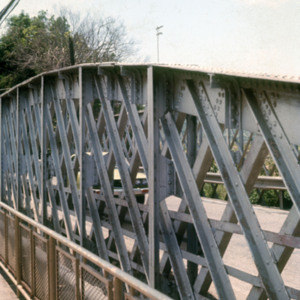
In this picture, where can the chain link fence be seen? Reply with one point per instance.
(45, 265)
(26, 254)
(93, 285)
(11, 262)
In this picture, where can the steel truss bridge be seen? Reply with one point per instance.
(66, 134)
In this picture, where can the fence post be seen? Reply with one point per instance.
(77, 279)
(32, 253)
(6, 239)
(18, 261)
(52, 269)
(118, 289)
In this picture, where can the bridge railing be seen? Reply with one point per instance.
(45, 265)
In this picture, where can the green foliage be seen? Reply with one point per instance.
(208, 190)
(32, 45)
(270, 198)
(254, 197)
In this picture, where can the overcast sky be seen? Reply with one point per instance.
(241, 35)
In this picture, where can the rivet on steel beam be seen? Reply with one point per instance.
(124, 71)
(61, 75)
(30, 85)
(101, 71)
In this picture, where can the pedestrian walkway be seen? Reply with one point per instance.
(7, 293)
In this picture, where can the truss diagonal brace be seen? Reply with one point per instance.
(134, 212)
(265, 264)
(136, 126)
(105, 186)
(278, 145)
(197, 210)
(175, 256)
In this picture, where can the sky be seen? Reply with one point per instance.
(250, 36)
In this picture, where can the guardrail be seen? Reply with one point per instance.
(262, 182)
(45, 265)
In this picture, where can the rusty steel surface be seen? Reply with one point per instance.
(96, 152)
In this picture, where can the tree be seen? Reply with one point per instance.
(98, 39)
(32, 45)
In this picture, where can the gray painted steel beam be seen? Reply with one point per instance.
(19, 154)
(197, 211)
(175, 256)
(277, 142)
(282, 254)
(263, 259)
(153, 200)
(250, 170)
(114, 138)
(67, 156)
(2, 192)
(56, 162)
(83, 95)
(107, 192)
(34, 125)
(134, 119)
(100, 242)
(41, 123)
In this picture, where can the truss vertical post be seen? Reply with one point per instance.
(1, 153)
(82, 112)
(18, 201)
(192, 241)
(43, 154)
(153, 151)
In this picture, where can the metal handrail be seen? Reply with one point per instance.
(118, 275)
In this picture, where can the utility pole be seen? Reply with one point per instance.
(158, 33)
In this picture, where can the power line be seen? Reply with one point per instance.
(7, 10)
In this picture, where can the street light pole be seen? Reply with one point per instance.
(158, 33)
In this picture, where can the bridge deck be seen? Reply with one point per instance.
(238, 254)
(7, 292)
